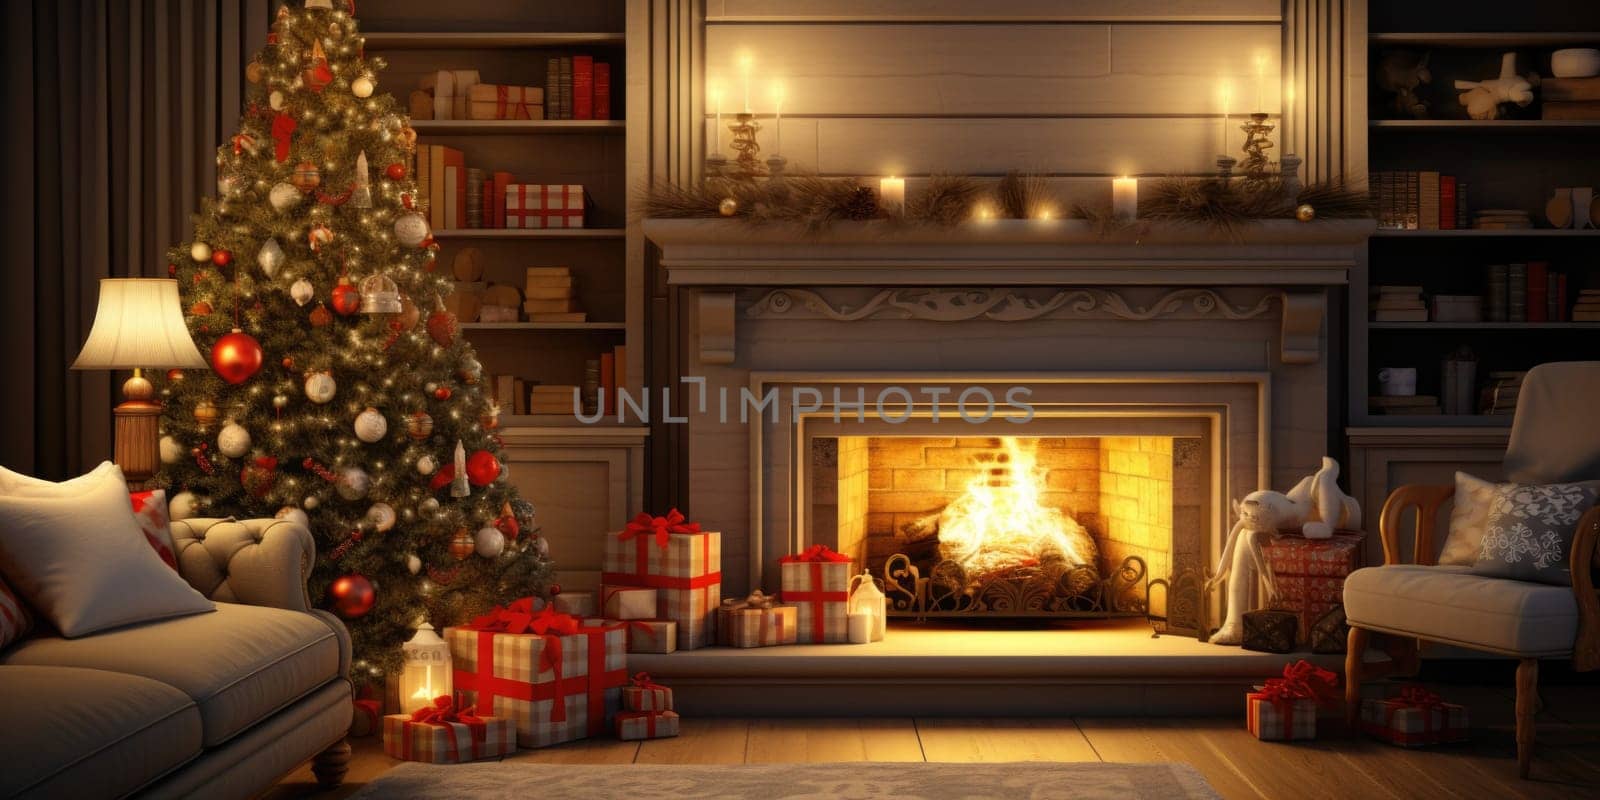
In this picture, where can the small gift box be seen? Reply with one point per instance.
(578, 604)
(756, 621)
(530, 205)
(628, 602)
(447, 734)
(645, 694)
(678, 559)
(496, 101)
(1415, 718)
(449, 88)
(1331, 632)
(632, 725)
(1285, 709)
(659, 636)
(367, 720)
(1270, 630)
(817, 582)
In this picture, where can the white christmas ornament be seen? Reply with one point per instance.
(233, 440)
(225, 184)
(320, 387)
(270, 257)
(371, 425)
(275, 100)
(381, 516)
(182, 505)
(425, 465)
(411, 229)
(171, 451)
(413, 563)
(293, 514)
(428, 505)
(301, 291)
(283, 196)
(361, 194)
(200, 251)
(354, 482)
(362, 87)
(489, 542)
(310, 502)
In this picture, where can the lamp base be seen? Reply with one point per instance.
(136, 447)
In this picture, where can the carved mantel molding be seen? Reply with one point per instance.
(1003, 305)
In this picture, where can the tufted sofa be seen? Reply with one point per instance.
(217, 705)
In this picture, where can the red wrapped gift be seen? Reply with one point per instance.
(556, 677)
(498, 101)
(644, 694)
(675, 557)
(818, 582)
(1285, 708)
(658, 636)
(756, 621)
(1309, 573)
(446, 733)
(633, 725)
(1417, 717)
(539, 205)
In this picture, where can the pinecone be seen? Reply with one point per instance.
(861, 204)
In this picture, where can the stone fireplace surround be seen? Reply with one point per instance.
(1158, 331)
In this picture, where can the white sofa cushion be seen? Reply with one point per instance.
(1450, 604)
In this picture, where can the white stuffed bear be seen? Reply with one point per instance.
(1315, 507)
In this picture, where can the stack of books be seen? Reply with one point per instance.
(577, 87)
(1419, 200)
(1529, 292)
(1501, 219)
(1500, 397)
(551, 399)
(550, 296)
(1570, 98)
(1399, 304)
(1458, 381)
(1588, 307)
(1410, 404)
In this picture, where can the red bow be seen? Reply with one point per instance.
(661, 528)
(643, 681)
(444, 711)
(1420, 698)
(519, 617)
(816, 552)
(283, 127)
(1301, 680)
(242, 142)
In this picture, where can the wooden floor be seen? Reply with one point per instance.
(1567, 764)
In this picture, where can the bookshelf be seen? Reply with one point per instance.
(1511, 163)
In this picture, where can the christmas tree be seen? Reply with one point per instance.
(342, 393)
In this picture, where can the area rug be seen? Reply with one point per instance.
(848, 781)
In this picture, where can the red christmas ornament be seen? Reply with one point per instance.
(288, 362)
(482, 468)
(442, 393)
(320, 316)
(236, 356)
(283, 126)
(463, 544)
(258, 475)
(346, 298)
(221, 258)
(442, 327)
(352, 595)
(555, 589)
(172, 270)
(442, 477)
(507, 523)
(174, 375)
(200, 309)
(318, 74)
(199, 453)
(395, 171)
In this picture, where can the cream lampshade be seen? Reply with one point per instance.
(138, 324)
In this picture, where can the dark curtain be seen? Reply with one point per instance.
(114, 111)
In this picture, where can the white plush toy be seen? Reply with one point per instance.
(1315, 507)
(1483, 98)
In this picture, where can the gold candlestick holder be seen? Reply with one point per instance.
(1257, 141)
(744, 128)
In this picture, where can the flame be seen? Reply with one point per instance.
(1000, 522)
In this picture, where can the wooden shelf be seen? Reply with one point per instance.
(518, 127)
(1483, 326)
(1495, 40)
(1469, 233)
(1435, 420)
(552, 327)
(488, 40)
(530, 233)
(562, 421)
(1486, 125)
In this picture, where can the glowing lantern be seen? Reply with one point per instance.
(426, 671)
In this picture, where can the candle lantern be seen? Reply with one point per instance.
(865, 598)
(1125, 198)
(426, 671)
(892, 194)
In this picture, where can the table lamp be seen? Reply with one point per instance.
(138, 325)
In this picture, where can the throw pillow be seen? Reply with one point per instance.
(150, 509)
(1467, 520)
(1530, 529)
(14, 619)
(18, 483)
(82, 563)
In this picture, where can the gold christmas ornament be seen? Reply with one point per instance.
(728, 207)
(200, 251)
(362, 87)
(252, 72)
(205, 413)
(1305, 212)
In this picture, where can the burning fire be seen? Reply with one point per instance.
(999, 522)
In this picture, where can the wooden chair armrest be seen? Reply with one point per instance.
(1586, 652)
(1426, 500)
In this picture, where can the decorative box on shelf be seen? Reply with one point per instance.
(817, 583)
(497, 101)
(545, 205)
(679, 560)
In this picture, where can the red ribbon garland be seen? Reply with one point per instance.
(1301, 680)
(283, 127)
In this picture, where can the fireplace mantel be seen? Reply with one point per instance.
(1275, 253)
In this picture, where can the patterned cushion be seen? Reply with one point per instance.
(15, 621)
(1529, 532)
(1467, 520)
(150, 510)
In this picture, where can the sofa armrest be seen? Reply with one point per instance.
(258, 562)
(1426, 500)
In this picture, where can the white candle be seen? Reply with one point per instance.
(777, 121)
(892, 192)
(746, 62)
(716, 127)
(861, 627)
(1125, 198)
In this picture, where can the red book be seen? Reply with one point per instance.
(583, 87)
(602, 90)
(1447, 202)
(608, 384)
(500, 182)
(1538, 291)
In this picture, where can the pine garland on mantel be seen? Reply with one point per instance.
(814, 203)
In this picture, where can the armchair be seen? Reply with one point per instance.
(1412, 598)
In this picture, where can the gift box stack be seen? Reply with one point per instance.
(1285, 709)
(757, 620)
(539, 205)
(1414, 718)
(1310, 574)
(637, 607)
(680, 563)
(447, 733)
(648, 712)
(817, 583)
(555, 676)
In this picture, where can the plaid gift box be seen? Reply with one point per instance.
(445, 735)
(1417, 717)
(628, 602)
(578, 604)
(1270, 631)
(652, 636)
(644, 694)
(756, 621)
(633, 725)
(817, 581)
(539, 205)
(497, 101)
(678, 559)
(555, 677)
(1285, 708)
